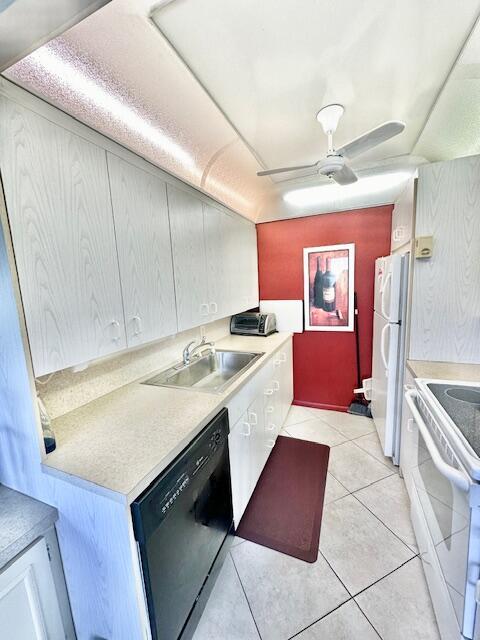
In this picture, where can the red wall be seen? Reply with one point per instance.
(324, 362)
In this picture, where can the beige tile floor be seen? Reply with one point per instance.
(368, 581)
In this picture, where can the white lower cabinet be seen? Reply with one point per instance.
(258, 440)
(239, 440)
(258, 413)
(29, 605)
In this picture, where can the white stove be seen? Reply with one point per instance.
(441, 467)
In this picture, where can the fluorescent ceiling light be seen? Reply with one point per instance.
(364, 186)
(111, 105)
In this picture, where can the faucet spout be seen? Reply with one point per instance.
(187, 353)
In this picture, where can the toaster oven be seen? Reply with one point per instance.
(253, 324)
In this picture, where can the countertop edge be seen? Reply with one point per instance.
(35, 530)
(463, 371)
(129, 495)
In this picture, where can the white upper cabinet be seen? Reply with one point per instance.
(245, 270)
(60, 213)
(231, 257)
(214, 224)
(189, 260)
(142, 229)
(252, 266)
(108, 256)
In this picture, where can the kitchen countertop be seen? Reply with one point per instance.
(444, 370)
(119, 443)
(22, 520)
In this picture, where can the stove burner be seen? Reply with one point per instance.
(471, 396)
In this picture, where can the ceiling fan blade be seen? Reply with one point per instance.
(344, 176)
(270, 172)
(371, 139)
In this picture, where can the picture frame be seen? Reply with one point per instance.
(328, 273)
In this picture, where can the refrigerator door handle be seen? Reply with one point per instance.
(383, 345)
(382, 291)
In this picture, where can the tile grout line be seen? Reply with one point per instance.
(322, 617)
(360, 488)
(336, 574)
(350, 599)
(330, 426)
(381, 521)
(368, 452)
(383, 577)
(245, 595)
(367, 619)
(352, 494)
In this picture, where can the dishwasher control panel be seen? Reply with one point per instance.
(199, 460)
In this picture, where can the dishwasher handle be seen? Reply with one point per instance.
(455, 476)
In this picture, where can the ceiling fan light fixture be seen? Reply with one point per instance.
(369, 185)
(329, 117)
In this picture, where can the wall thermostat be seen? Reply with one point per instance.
(424, 247)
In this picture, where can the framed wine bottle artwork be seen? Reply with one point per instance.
(329, 283)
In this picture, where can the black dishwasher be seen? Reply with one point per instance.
(183, 525)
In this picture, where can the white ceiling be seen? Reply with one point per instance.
(256, 73)
(271, 65)
(453, 128)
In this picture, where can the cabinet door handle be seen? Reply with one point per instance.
(271, 427)
(268, 392)
(269, 409)
(213, 307)
(276, 385)
(253, 418)
(138, 325)
(270, 443)
(248, 429)
(204, 309)
(115, 330)
(277, 363)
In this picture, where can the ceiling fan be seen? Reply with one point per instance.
(335, 165)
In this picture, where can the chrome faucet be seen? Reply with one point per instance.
(189, 353)
(203, 344)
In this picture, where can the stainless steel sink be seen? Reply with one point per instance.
(212, 373)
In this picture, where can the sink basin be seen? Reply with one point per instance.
(212, 372)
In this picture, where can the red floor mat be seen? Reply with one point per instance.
(285, 510)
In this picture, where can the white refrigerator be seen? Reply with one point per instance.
(388, 361)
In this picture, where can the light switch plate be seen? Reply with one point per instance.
(424, 247)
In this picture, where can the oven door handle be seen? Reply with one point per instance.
(455, 476)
